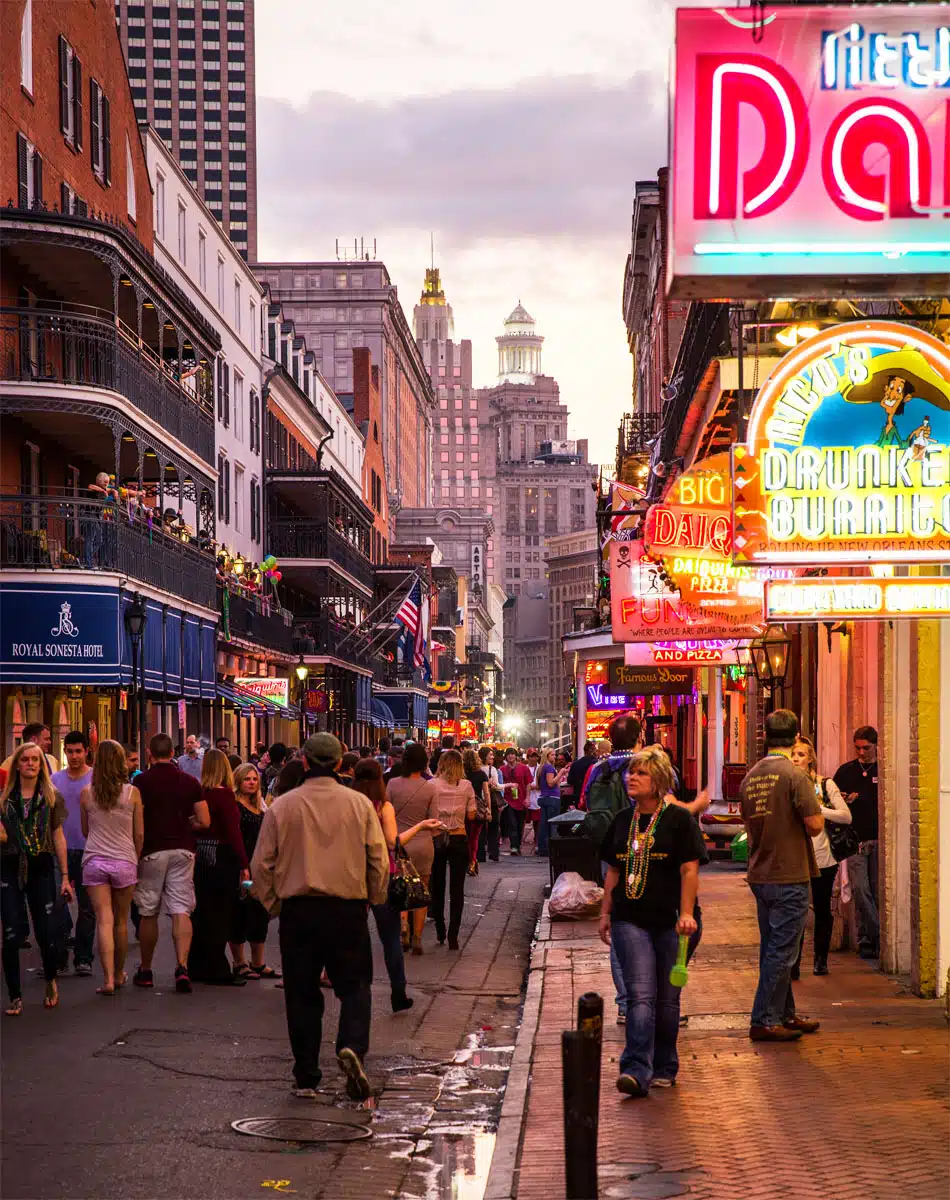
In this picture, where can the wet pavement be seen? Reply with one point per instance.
(135, 1096)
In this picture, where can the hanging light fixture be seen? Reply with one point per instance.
(770, 656)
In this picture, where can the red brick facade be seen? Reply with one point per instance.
(368, 414)
(88, 27)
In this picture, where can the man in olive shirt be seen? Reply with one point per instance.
(320, 859)
(782, 814)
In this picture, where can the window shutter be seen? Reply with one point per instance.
(37, 180)
(227, 492)
(106, 143)
(77, 103)
(94, 124)
(63, 198)
(217, 388)
(82, 208)
(63, 85)
(226, 373)
(22, 166)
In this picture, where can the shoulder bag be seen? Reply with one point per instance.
(842, 839)
(406, 889)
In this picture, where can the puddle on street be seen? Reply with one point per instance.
(455, 1168)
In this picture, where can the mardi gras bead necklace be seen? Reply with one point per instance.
(638, 852)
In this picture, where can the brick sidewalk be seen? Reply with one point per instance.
(857, 1110)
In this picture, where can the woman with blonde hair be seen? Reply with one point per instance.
(33, 812)
(549, 797)
(249, 918)
(221, 866)
(652, 851)
(456, 803)
(834, 809)
(113, 824)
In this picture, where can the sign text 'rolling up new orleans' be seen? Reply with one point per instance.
(847, 459)
(844, 599)
(809, 150)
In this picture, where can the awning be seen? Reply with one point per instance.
(382, 715)
(254, 705)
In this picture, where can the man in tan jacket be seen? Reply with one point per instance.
(320, 860)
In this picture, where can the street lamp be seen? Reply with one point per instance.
(136, 615)
(301, 670)
(770, 659)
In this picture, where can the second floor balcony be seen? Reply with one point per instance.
(59, 532)
(252, 618)
(299, 540)
(328, 635)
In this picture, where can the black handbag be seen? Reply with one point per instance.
(406, 889)
(842, 839)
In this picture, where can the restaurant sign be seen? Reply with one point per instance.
(847, 456)
(809, 150)
(849, 599)
(624, 684)
(275, 690)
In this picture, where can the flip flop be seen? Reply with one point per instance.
(265, 972)
(15, 1009)
(105, 991)
(122, 980)
(51, 999)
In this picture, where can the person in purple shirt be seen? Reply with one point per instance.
(70, 783)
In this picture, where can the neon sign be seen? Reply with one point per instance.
(846, 599)
(771, 142)
(847, 458)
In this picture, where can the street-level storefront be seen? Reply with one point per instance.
(67, 658)
(338, 699)
(409, 708)
(255, 709)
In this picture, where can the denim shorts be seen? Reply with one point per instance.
(116, 872)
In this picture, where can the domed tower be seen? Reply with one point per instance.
(519, 348)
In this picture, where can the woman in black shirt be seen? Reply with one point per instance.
(652, 851)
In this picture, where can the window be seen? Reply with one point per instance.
(160, 205)
(70, 94)
(202, 260)
(26, 47)
(339, 280)
(224, 393)
(251, 319)
(29, 174)
(237, 306)
(255, 510)
(254, 429)
(238, 497)
(69, 202)
(239, 406)
(182, 233)
(220, 284)
(224, 489)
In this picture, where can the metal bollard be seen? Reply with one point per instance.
(580, 1059)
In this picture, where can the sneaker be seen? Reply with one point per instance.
(803, 1024)
(143, 977)
(662, 1082)
(83, 969)
(182, 980)
(357, 1085)
(773, 1033)
(307, 1093)
(630, 1086)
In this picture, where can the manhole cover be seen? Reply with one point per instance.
(301, 1129)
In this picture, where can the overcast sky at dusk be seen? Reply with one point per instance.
(513, 132)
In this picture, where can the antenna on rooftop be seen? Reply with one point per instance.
(432, 249)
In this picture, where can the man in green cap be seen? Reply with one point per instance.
(320, 860)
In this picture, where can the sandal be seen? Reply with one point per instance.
(243, 971)
(265, 972)
(105, 991)
(122, 980)
(51, 999)
(15, 1009)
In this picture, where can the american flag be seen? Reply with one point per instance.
(412, 615)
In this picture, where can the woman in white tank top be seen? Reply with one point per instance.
(113, 825)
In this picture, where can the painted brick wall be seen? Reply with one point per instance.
(924, 804)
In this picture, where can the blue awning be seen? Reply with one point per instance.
(271, 707)
(382, 715)
(251, 706)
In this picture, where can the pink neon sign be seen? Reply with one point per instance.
(813, 153)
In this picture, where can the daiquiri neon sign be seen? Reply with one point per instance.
(847, 457)
(817, 150)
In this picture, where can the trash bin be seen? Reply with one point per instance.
(570, 848)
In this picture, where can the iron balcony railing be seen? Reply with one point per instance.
(292, 537)
(60, 533)
(249, 618)
(91, 349)
(327, 634)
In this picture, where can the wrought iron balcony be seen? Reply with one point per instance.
(60, 532)
(292, 538)
(327, 634)
(250, 618)
(91, 349)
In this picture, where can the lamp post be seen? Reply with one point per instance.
(301, 670)
(770, 659)
(136, 615)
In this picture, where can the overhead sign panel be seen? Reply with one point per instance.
(847, 459)
(809, 150)
(844, 599)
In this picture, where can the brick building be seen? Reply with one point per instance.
(368, 415)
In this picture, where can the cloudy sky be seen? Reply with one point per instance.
(513, 132)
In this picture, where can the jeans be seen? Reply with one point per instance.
(516, 820)
(451, 859)
(40, 894)
(318, 932)
(646, 958)
(390, 934)
(473, 831)
(91, 542)
(821, 889)
(488, 842)
(85, 918)
(617, 971)
(550, 807)
(782, 909)
(862, 871)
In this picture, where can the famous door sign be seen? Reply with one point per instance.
(847, 458)
(809, 147)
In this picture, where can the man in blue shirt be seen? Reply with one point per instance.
(190, 762)
(70, 783)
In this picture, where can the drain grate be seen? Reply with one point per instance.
(301, 1129)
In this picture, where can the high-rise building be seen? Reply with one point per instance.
(341, 306)
(574, 561)
(191, 69)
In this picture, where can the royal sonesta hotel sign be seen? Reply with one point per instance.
(809, 151)
(847, 458)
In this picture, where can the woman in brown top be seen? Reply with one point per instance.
(414, 799)
(456, 804)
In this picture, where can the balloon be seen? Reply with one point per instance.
(278, 575)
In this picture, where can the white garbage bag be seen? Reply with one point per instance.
(573, 898)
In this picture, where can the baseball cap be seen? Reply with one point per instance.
(323, 747)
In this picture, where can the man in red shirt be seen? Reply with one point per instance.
(519, 777)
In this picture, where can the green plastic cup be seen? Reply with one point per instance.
(679, 975)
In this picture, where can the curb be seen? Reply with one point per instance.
(514, 1109)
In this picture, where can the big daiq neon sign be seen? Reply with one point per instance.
(835, 121)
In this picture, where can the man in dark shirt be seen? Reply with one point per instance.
(857, 781)
(782, 815)
(173, 812)
(577, 773)
(448, 743)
